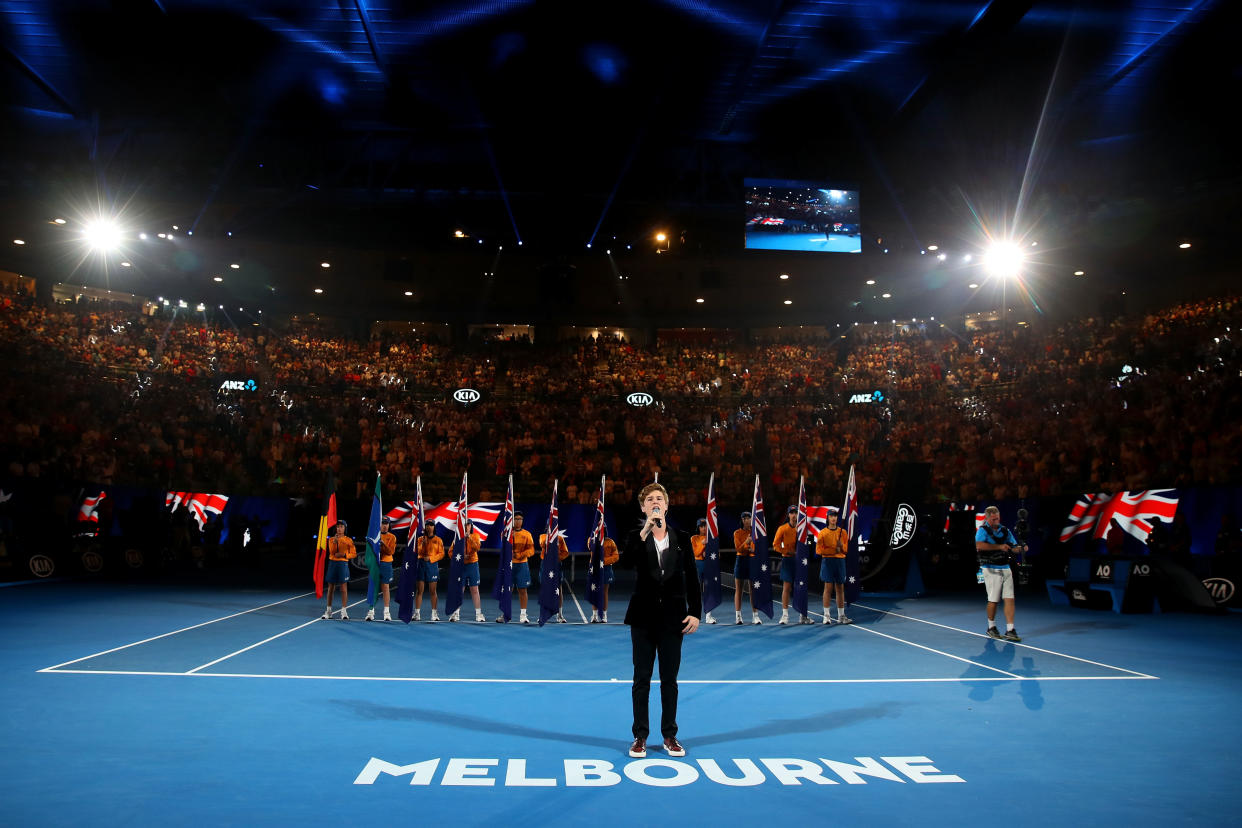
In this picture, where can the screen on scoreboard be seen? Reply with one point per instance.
(801, 215)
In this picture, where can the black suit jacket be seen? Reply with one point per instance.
(661, 603)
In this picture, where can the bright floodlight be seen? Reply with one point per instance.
(1003, 259)
(102, 235)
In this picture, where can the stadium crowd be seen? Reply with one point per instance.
(113, 396)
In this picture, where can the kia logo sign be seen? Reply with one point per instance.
(42, 566)
(466, 395)
(92, 561)
(640, 398)
(1221, 589)
(904, 525)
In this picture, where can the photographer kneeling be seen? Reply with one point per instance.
(994, 545)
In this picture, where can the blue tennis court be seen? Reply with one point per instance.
(151, 704)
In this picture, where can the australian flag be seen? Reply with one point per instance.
(802, 551)
(502, 589)
(373, 546)
(457, 559)
(760, 566)
(853, 558)
(595, 572)
(550, 572)
(409, 562)
(711, 552)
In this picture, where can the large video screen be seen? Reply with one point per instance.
(801, 215)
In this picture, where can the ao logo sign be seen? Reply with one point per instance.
(1221, 589)
(466, 395)
(904, 525)
(639, 399)
(239, 385)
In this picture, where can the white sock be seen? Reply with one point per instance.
(991, 623)
(1008, 627)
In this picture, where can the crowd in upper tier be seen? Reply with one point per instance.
(113, 396)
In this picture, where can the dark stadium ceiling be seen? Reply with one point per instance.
(372, 130)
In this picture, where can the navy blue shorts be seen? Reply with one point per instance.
(385, 568)
(741, 568)
(428, 571)
(608, 576)
(698, 567)
(521, 575)
(787, 570)
(832, 571)
(338, 572)
(472, 574)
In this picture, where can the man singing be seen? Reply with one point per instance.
(666, 606)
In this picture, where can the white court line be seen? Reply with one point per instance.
(174, 632)
(264, 641)
(1134, 673)
(618, 681)
(570, 589)
(937, 652)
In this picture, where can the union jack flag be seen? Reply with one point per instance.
(760, 567)
(198, 503)
(446, 515)
(711, 552)
(89, 510)
(1132, 511)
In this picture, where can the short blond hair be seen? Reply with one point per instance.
(991, 510)
(649, 488)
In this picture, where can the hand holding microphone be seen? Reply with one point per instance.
(655, 518)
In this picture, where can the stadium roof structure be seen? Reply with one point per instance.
(413, 145)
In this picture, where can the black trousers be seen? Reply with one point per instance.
(647, 644)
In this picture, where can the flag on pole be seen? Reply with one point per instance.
(595, 572)
(853, 565)
(199, 504)
(502, 589)
(760, 566)
(373, 547)
(711, 552)
(457, 556)
(409, 560)
(802, 552)
(327, 521)
(550, 571)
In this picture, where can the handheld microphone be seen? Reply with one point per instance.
(655, 514)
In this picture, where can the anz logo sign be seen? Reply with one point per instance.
(640, 399)
(874, 397)
(465, 396)
(239, 385)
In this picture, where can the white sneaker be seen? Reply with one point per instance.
(478, 618)
(827, 619)
(603, 619)
(710, 619)
(344, 615)
(370, 616)
(737, 618)
(757, 619)
(595, 618)
(418, 615)
(844, 619)
(326, 615)
(560, 619)
(387, 617)
(784, 618)
(434, 616)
